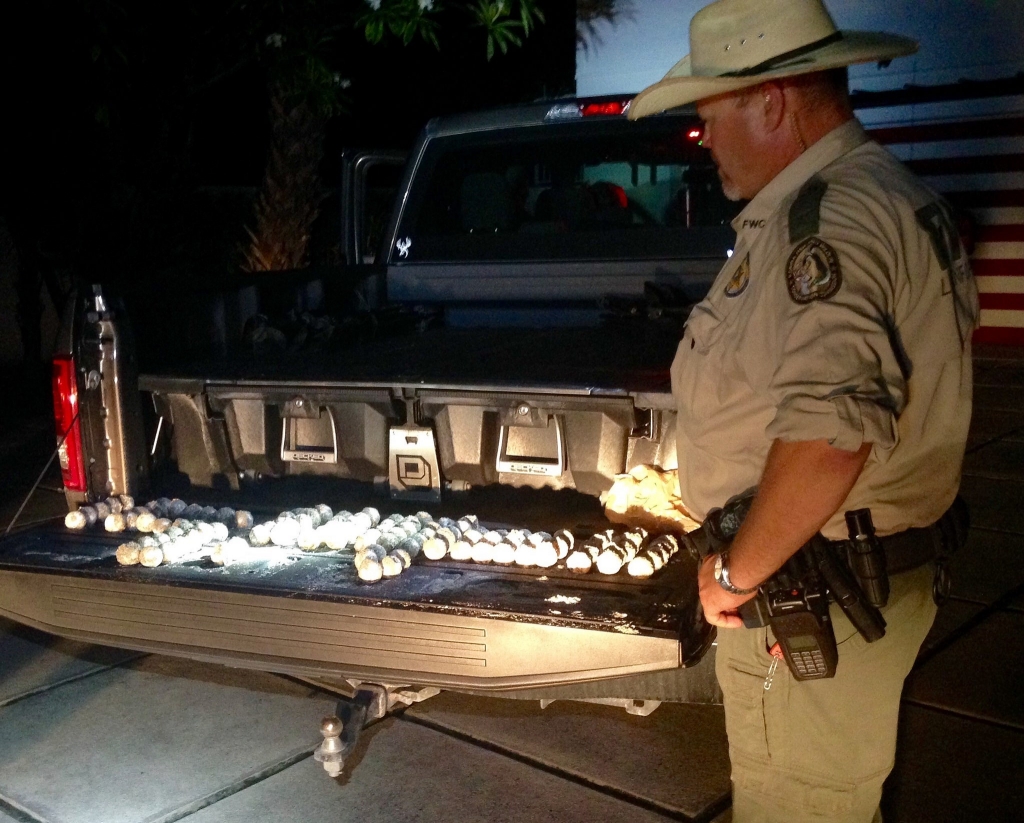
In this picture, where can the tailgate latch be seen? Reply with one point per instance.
(308, 433)
(531, 441)
(413, 470)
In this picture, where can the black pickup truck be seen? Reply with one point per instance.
(508, 355)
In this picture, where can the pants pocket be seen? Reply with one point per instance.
(775, 796)
(744, 708)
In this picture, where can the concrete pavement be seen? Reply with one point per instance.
(91, 735)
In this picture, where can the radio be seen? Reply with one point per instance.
(794, 601)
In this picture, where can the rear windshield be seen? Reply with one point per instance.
(604, 190)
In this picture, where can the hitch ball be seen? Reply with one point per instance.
(329, 752)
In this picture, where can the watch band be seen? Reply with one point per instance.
(722, 576)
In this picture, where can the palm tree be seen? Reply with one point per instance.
(294, 42)
(590, 12)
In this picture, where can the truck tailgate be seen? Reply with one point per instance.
(455, 625)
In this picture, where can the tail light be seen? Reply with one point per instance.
(65, 415)
(608, 107)
(594, 108)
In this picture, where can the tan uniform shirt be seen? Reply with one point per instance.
(844, 314)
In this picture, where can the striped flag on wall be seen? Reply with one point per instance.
(979, 166)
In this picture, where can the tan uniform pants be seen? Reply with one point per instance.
(820, 750)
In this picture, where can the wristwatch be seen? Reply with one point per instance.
(722, 576)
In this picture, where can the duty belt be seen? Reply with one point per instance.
(911, 548)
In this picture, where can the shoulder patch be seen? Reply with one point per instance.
(812, 272)
(805, 213)
(738, 282)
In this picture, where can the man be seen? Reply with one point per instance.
(830, 367)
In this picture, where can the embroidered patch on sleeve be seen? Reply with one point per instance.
(812, 272)
(738, 282)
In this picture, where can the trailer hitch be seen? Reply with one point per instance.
(370, 703)
(341, 730)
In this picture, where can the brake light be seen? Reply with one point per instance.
(575, 110)
(613, 107)
(65, 415)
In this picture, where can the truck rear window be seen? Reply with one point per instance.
(610, 190)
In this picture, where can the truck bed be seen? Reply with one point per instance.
(521, 424)
(456, 625)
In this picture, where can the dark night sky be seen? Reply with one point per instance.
(71, 67)
(111, 116)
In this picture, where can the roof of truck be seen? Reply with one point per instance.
(557, 110)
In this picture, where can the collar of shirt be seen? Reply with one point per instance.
(832, 146)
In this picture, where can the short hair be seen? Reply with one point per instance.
(838, 80)
(829, 85)
(819, 87)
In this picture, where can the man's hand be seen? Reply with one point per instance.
(720, 607)
(803, 485)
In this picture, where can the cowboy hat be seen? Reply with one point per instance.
(739, 43)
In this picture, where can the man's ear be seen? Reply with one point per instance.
(771, 101)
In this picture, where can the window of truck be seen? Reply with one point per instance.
(609, 190)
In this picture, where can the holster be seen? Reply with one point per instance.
(938, 542)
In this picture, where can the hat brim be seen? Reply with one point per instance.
(681, 86)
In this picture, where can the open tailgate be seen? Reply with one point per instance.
(447, 624)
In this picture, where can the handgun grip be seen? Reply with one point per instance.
(866, 557)
(865, 617)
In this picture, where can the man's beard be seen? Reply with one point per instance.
(729, 189)
(731, 192)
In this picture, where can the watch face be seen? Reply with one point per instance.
(718, 568)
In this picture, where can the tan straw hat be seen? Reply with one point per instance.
(739, 43)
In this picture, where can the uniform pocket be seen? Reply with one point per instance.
(743, 687)
(705, 326)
